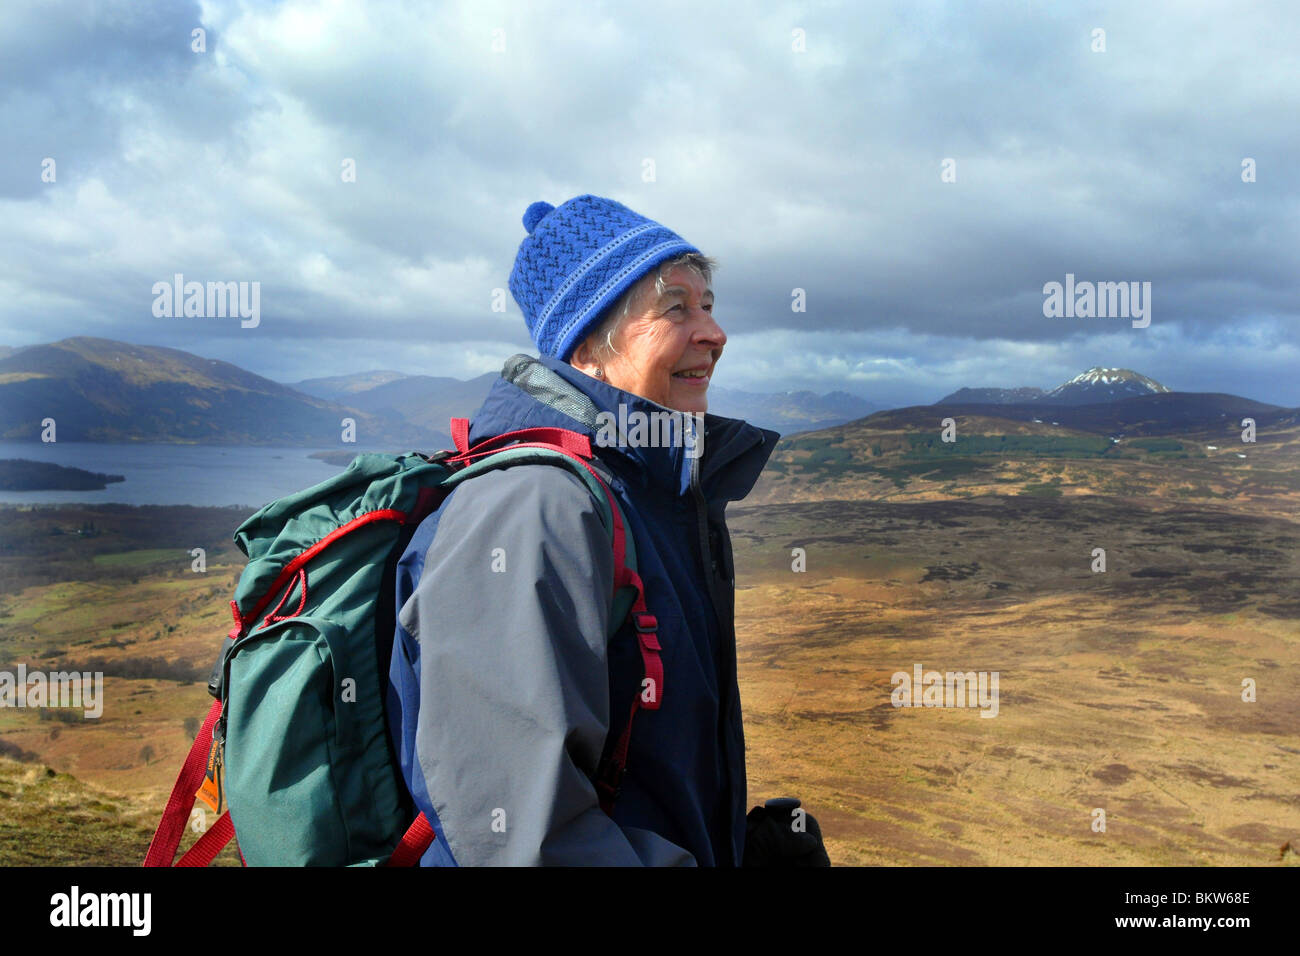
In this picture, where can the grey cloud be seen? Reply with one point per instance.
(817, 170)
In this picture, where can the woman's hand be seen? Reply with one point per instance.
(780, 834)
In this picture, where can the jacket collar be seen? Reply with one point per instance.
(544, 391)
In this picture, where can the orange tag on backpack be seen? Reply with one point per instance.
(211, 791)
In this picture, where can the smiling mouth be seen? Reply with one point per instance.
(692, 375)
(693, 381)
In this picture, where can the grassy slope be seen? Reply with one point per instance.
(53, 819)
(1119, 690)
(879, 459)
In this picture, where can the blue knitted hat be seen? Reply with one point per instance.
(577, 260)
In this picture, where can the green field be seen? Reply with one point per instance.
(145, 557)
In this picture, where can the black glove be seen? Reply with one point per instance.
(776, 836)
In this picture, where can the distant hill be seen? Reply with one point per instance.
(21, 474)
(1165, 444)
(789, 412)
(425, 402)
(1169, 412)
(991, 396)
(338, 388)
(99, 389)
(102, 390)
(1163, 413)
(1097, 384)
(428, 402)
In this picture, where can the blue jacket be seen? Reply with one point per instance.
(505, 686)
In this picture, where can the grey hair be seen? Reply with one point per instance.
(603, 336)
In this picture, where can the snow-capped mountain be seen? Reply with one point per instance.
(1103, 385)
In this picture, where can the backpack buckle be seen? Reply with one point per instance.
(645, 622)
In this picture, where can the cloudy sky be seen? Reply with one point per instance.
(805, 147)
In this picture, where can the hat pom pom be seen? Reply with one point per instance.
(534, 214)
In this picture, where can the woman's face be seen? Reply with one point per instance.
(661, 338)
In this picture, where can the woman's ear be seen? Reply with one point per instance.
(581, 359)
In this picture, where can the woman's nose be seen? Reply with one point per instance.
(710, 332)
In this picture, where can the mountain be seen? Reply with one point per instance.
(1163, 413)
(991, 396)
(1087, 388)
(1103, 385)
(101, 390)
(427, 401)
(1179, 445)
(339, 388)
(788, 412)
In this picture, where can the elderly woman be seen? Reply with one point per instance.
(505, 592)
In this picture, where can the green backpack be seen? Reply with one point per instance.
(297, 741)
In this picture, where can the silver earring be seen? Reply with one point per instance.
(600, 373)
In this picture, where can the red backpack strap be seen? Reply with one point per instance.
(460, 433)
(162, 849)
(566, 440)
(206, 848)
(414, 842)
(574, 444)
(609, 775)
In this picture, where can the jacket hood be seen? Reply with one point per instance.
(535, 392)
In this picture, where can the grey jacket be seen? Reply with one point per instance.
(502, 638)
